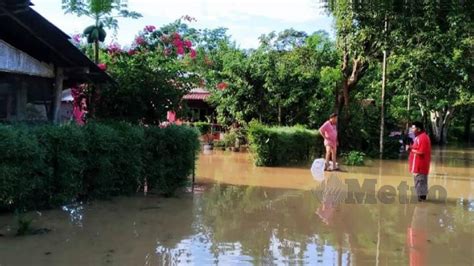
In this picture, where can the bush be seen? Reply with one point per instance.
(203, 127)
(47, 166)
(21, 167)
(163, 167)
(356, 158)
(276, 146)
(229, 139)
(220, 144)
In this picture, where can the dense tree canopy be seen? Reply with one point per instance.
(295, 77)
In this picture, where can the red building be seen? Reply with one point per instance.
(197, 101)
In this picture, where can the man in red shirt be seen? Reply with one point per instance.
(420, 159)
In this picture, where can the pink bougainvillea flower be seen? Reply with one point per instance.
(188, 44)
(132, 52)
(102, 66)
(76, 90)
(114, 48)
(176, 36)
(167, 52)
(139, 40)
(177, 43)
(192, 54)
(150, 28)
(180, 50)
(76, 38)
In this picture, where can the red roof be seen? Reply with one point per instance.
(197, 94)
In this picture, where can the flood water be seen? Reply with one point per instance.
(239, 214)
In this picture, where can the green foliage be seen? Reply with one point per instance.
(220, 144)
(103, 12)
(429, 45)
(24, 223)
(235, 137)
(283, 74)
(356, 158)
(21, 167)
(150, 80)
(163, 168)
(276, 146)
(203, 127)
(47, 166)
(230, 139)
(64, 160)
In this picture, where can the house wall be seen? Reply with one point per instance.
(15, 61)
(199, 110)
(24, 97)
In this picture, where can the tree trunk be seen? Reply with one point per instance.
(96, 51)
(467, 125)
(384, 82)
(439, 124)
(279, 114)
(382, 107)
(58, 89)
(351, 76)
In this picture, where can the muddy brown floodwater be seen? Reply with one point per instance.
(240, 214)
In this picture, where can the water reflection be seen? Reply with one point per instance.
(75, 211)
(281, 216)
(417, 236)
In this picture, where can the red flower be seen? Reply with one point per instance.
(150, 28)
(177, 43)
(222, 86)
(132, 52)
(180, 50)
(176, 36)
(193, 54)
(188, 44)
(103, 67)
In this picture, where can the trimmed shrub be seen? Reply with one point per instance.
(63, 162)
(47, 166)
(354, 158)
(163, 168)
(277, 146)
(21, 168)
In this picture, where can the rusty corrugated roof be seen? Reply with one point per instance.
(197, 94)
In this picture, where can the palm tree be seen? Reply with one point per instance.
(103, 12)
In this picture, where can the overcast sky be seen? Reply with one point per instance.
(245, 19)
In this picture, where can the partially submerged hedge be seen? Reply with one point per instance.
(46, 166)
(277, 146)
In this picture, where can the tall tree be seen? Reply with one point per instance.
(435, 62)
(103, 12)
(432, 31)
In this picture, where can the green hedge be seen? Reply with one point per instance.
(278, 146)
(46, 166)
